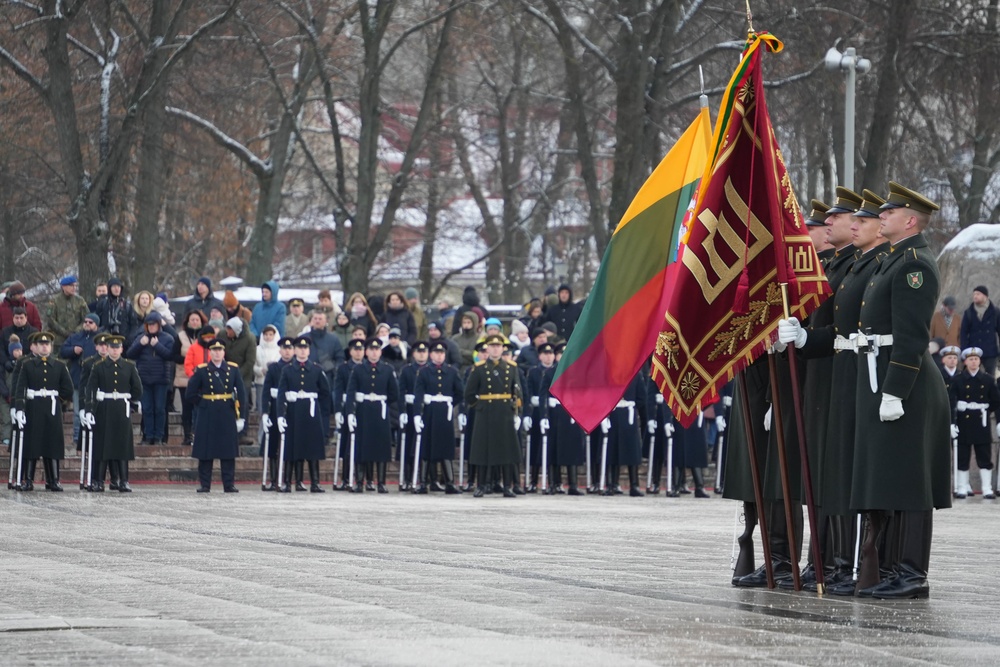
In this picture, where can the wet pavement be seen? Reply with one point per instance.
(166, 576)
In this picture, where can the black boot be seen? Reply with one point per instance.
(699, 483)
(286, 482)
(868, 572)
(123, 485)
(380, 470)
(507, 475)
(633, 482)
(314, 486)
(680, 482)
(554, 486)
(53, 470)
(571, 478)
(272, 473)
(745, 560)
(910, 582)
(300, 467)
(370, 476)
(97, 483)
(115, 478)
(421, 487)
(449, 479)
(359, 478)
(435, 481)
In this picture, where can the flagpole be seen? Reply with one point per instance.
(778, 428)
(758, 494)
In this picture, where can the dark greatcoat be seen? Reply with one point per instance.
(339, 401)
(533, 394)
(624, 438)
(407, 387)
(817, 390)
(215, 435)
(739, 480)
(373, 439)
(269, 406)
(438, 437)
(86, 367)
(305, 438)
(978, 388)
(567, 439)
(43, 430)
(658, 410)
(902, 465)
(113, 440)
(494, 440)
(836, 465)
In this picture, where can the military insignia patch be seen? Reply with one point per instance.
(915, 280)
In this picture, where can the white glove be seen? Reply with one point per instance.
(90, 420)
(13, 413)
(404, 419)
(240, 423)
(720, 423)
(352, 422)
(668, 429)
(418, 423)
(338, 419)
(543, 426)
(265, 420)
(790, 331)
(282, 424)
(517, 423)
(535, 402)
(954, 431)
(83, 417)
(462, 421)
(767, 419)
(778, 347)
(961, 406)
(20, 419)
(651, 426)
(605, 425)
(659, 398)
(727, 401)
(891, 408)
(291, 398)
(138, 408)
(527, 422)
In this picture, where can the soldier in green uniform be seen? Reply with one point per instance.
(43, 383)
(65, 312)
(901, 456)
(112, 387)
(493, 392)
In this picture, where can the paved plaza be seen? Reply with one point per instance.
(165, 576)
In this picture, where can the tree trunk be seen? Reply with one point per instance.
(149, 197)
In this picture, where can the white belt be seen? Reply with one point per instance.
(440, 398)
(116, 396)
(553, 402)
(372, 398)
(868, 345)
(409, 398)
(274, 392)
(982, 407)
(44, 393)
(292, 396)
(631, 409)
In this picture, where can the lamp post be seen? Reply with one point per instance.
(851, 63)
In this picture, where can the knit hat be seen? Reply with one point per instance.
(411, 293)
(67, 280)
(16, 287)
(517, 326)
(216, 323)
(551, 327)
(949, 301)
(229, 300)
(236, 324)
(93, 317)
(160, 306)
(14, 345)
(207, 282)
(981, 288)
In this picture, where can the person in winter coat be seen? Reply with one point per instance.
(241, 349)
(160, 305)
(296, 321)
(419, 316)
(398, 315)
(470, 300)
(565, 313)
(435, 333)
(361, 313)
(980, 327)
(467, 338)
(15, 299)
(115, 311)
(268, 311)
(946, 324)
(142, 305)
(19, 327)
(152, 353)
(194, 320)
(66, 311)
(533, 315)
(326, 350)
(342, 328)
(77, 347)
(326, 304)
(235, 309)
(267, 353)
(203, 298)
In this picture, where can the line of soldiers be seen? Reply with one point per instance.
(875, 409)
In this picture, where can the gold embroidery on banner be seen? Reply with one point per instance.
(742, 325)
(690, 385)
(791, 203)
(801, 258)
(667, 347)
(760, 240)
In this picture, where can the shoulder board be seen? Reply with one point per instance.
(512, 363)
(480, 363)
(202, 365)
(233, 364)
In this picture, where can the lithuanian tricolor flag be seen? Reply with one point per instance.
(617, 329)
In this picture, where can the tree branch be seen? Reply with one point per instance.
(259, 167)
(416, 28)
(22, 72)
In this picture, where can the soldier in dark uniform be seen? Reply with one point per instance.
(659, 430)
(407, 387)
(43, 383)
(17, 421)
(269, 412)
(949, 364)
(973, 397)
(438, 390)
(304, 401)
(533, 412)
(566, 439)
(217, 393)
(356, 355)
(467, 422)
(902, 408)
(624, 438)
(493, 393)
(112, 386)
(87, 422)
(371, 390)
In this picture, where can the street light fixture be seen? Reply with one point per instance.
(851, 63)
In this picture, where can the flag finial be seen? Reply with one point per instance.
(750, 29)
